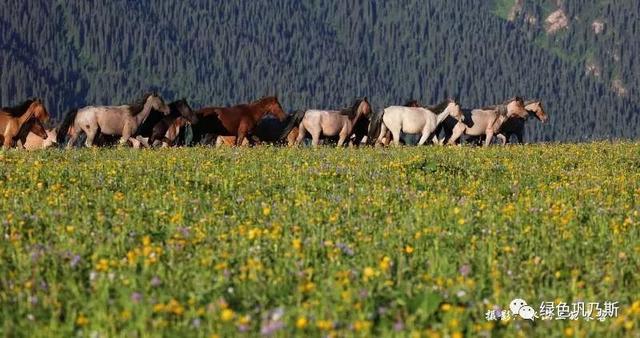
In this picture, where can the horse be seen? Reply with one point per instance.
(120, 121)
(415, 120)
(239, 120)
(179, 110)
(33, 135)
(488, 120)
(269, 130)
(328, 123)
(167, 132)
(515, 124)
(12, 119)
(374, 128)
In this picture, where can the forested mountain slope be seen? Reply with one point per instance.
(322, 54)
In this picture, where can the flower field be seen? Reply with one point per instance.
(224, 242)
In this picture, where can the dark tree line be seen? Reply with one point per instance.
(319, 53)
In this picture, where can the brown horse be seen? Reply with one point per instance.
(238, 120)
(29, 132)
(13, 118)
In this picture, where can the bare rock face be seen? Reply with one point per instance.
(556, 21)
(593, 69)
(619, 88)
(598, 26)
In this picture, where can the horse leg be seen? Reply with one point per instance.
(487, 141)
(315, 136)
(502, 138)
(72, 139)
(8, 140)
(520, 138)
(301, 133)
(424, 137)
(381, 136)
(242, 133)
(458, 130)
(127, 131)
(91, 134)
(292, 138)
(343, 135)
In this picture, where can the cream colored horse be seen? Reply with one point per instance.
(515, 125)
(488, 121)
(35, 142)
(120, 121)
(416, 120)
(331, 123)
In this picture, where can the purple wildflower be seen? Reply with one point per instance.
(465, 270)
(155, 281)
(136, 297)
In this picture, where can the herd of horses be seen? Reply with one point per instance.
(150, 122)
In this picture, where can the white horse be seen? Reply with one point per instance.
(416, 120)
(110, 120)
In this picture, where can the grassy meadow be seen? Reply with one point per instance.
(417, 242)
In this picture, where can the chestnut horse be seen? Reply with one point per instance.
(12, 119)
(239, 121)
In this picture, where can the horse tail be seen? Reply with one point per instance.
(63, 130)
(294, 120)
(374, 128)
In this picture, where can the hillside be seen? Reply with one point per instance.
(320, 54)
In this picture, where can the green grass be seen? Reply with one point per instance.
(206, 242)
(502, 8)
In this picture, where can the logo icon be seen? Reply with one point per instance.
(521, 308)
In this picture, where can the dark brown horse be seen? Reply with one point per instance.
(239, 121)
(176, 109)
(12, 119)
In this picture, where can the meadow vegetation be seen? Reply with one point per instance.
(342, 242)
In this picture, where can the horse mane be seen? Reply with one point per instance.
(526, 103)
(265, 99)
(138, 106)
(440, 107)
(502, 108)
(412, 104)
(351, 112)
(20, 109)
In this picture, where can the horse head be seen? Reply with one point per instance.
(155, 101)
(364, 107)
(39, 110)
(515, 108)
(38, 129)
(272, 105)
(535, 108)
(182, 106)
(454, 110)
